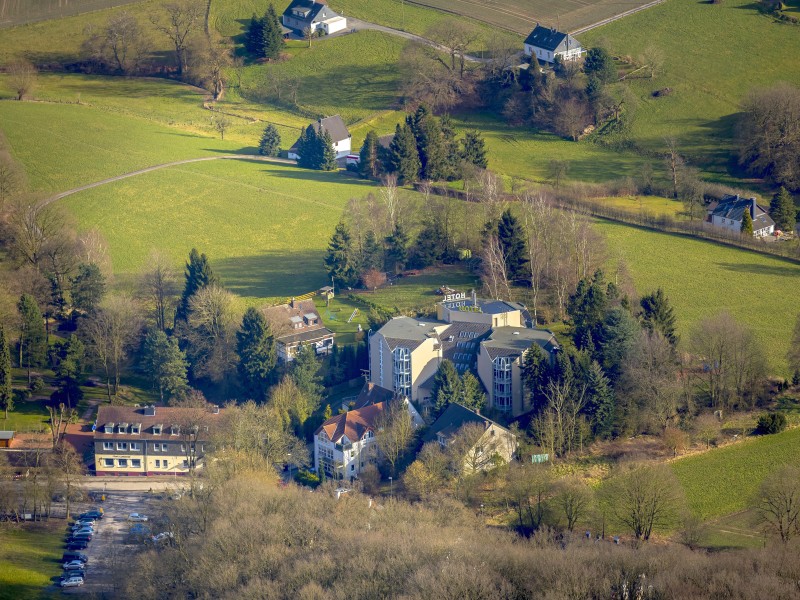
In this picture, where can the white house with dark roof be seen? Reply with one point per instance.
(310, 15)
(729, 212)
(298, 323)
(547, 44)
(486, 337)
(336, 128)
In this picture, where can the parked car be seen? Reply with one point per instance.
(80, 537)
(69, 556)
(74, 565)
(82, 525)
(138, 518)
(161, 537)
(83, 522)
(76, 573)
(139, 529)
(80, 544)
(95, 513)
(72, 582)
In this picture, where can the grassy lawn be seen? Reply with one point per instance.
(335, 318)
(723, 481)
(702, 279)
(418, 293)
(29, 559)
(354, 75)
(739, 530)
(653, 205)
(704, 65)
(264, 227)
(28, 416)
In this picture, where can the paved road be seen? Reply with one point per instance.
(270, 159)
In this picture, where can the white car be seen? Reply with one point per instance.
(72, 582)
(74, 565)
(136, 517)
(160, 537)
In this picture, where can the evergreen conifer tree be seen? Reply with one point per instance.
(255, 346)
(340, 259)
(599, 401)
(254, 38)
(535, 376)
(33, 337)
(430, 245)
(403, 155)
(308, 148)
(272, 34)
(326, 152)
(446, 387)
(270, 141)
(6, 393)
(305, 374)
(657, 315)
(511, 235)
(472, 392)
(371, 253)
(783, 211)
(474, 149)
(747, 222)
(68, 356)
(166, 364)
(88, 288)
(396, 250)
(369, 165)
(198, 275)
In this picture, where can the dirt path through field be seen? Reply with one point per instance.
(270, 159)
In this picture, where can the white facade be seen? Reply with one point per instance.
(550, 57)
(332, 25)
(736, 226)
(342, 148)
(347, 458)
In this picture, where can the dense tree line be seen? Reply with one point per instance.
(264, 37)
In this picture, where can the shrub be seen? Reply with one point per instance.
(771, 423)
(307, 478)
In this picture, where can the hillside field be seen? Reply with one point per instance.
(264, 227)
(703, 278)
(701, 44)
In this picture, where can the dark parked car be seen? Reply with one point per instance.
(82, 537)
(68, 556)
(75, 573)
(91, 514)
(77, 544)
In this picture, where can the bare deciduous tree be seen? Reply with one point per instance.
(209, 62)
(778, 503)
(395, 432)
(646, 499)
(71, 469)
(125, 41)
(22, 78)
(573, 498)
(178, 21)
(159, 287)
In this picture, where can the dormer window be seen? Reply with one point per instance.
(174, 430)
(157, 429)
(442, 440)
(310, 318)
(297, 322)
(122, 428)
(108, 428)
(136, 429)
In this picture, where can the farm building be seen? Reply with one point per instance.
(5, 438)
(298, 323)
(308, 15)
(547, 44)
(336, 129)
(729, 212)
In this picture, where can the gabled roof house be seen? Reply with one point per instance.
(312, 15)
(336, 128)
(298, 323)
(729, 212)
(547, 44)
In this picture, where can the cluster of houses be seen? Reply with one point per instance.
(485, 337)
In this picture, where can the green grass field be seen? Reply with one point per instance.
(702, 278)
(418, 293)
(264, 227)
(705, 65)
(723, 481)
(29, 560)
(651, 205)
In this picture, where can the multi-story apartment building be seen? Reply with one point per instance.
(152, 440)
(345, 444)
(487, 337)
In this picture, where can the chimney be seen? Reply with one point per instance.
(753, 208)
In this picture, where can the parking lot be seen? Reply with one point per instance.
(112, 546)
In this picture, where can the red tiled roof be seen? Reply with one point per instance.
(353, 424)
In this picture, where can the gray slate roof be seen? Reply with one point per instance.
(733, 207)
(454, 418)
(333, 125)
(316, 11)
(552, 40)
(513, 341)
(408, 331)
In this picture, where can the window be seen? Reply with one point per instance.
(442, 440)
(174, 430)
(157, 429)
(109, 428)
(109, 462)
(122, 462)
(352, 468)
(135, 429)
(122, 428)
(183, 448)
(158, 463)
(185, 464)
(402, 371)
(136, 446)
(155, 447)
(136, 463)
(108, 445)
(502, 383)
(163, 447)
(122, 445)
(202, 447)
(166, 464)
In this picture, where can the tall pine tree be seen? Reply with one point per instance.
(33, 337)
(403, 157)
(396, 250)
(270, 141)
(747, 222)
(308, 147)
(446, 387)
(511, 235)
(305, 374)
(657, 315)
(472, 395)
(327, 153)
(254, 37)
(341, 260)
(272, 34)
(371, 253)
(198, 275)
(255, 346)
(535, 376)
(783, 211)
(6, 393)
(166, 365)
(369, 165)
(599, 401)
(473, 149)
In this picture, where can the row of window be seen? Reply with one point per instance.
(468, 334)
(136, 463)
(135, 446)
